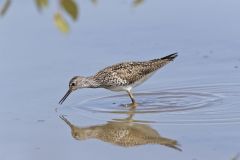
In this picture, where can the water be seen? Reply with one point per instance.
(191, 105)
(171, 106)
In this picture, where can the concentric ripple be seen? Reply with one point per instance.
(209, 104)
(151, 102)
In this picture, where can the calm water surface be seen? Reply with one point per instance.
(188, 110)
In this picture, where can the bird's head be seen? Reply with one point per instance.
(74, 84)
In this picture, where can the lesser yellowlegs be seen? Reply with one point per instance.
(123, 133)
(120, 77)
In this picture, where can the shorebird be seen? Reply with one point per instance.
(124, 134)
(120, 77)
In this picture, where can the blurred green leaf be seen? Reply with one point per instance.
(5, 7)
(236, 157)
(71, 8)
(41, 4)
(137, 2)
(61, 23)
(94, 2)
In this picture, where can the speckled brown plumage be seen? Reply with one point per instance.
(125, 134)
(119, 77)
(127, 73)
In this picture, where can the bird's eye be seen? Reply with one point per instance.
(73, 84)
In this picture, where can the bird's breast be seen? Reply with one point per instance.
(120, 88)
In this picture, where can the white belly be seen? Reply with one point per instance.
(120, 88)
(140, 81)
(129, 87)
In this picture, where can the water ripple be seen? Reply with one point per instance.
(152, 102)
(209, 104)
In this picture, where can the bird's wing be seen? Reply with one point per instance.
(123, 73)
(129, 72)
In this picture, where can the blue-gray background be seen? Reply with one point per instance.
(36, 62)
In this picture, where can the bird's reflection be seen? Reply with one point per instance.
(122, 132)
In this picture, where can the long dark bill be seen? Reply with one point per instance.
(65, 96)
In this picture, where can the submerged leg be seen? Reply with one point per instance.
(131, 96)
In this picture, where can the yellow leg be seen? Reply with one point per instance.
(131, 96)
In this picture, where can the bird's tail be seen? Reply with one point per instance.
(160, 62)
(170, 57)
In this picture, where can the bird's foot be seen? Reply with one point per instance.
(131, 105)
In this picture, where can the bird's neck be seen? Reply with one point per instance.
(91, 83)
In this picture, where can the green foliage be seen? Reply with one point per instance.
(94, 2)
(5, 7)
(236, 157)
(61, 23)
(137, 2)
(71, 8)
(41, 4)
